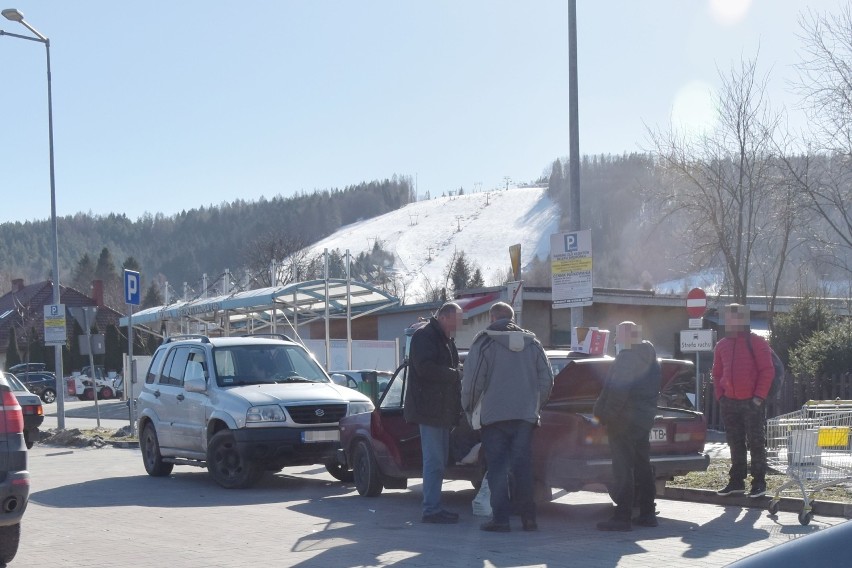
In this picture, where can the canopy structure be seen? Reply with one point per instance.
(266, 309)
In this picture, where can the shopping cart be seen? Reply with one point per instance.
(812, 447)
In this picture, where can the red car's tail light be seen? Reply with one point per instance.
(11, 415)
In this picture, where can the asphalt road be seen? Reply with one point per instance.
(98, 508)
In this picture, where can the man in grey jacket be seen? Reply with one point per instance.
(507, 374)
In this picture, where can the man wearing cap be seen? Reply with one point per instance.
(627, 406)
(742, 375)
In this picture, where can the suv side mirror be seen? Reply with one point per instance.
(194, 380)
(195, 385)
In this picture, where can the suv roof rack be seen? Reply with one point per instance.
(271, 336)
(180, 337)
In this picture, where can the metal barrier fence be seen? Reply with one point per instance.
(789, 398)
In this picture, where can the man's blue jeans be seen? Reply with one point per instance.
(508, 446)
(435, 444)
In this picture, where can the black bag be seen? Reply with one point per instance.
(780, 372)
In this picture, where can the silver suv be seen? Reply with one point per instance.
(241, 406)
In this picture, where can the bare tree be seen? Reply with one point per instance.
(825, 85)
(283, 250)
(724, 182)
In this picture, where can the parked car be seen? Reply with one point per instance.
(42, 383)
(241, 406)
(14, 477)
(26, 367)
(825, 547)
(361, 380)
(31, 408)
(570, 449)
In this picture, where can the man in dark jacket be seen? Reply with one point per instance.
(432, 400)
(742, 375)
(627, 406)
(508, 375)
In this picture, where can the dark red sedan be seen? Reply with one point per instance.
(570, 451)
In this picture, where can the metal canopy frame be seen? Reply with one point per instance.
(293, 304)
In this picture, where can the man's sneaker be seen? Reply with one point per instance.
(614, 525)
(440, 518)
(732, 488)
(758, 489)
(492, 526)
(645, 520)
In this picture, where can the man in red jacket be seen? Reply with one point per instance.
(742, 375)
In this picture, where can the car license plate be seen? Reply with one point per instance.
(657, 435)
(320, 436)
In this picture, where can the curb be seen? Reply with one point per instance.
(787, 504)
(124, 444)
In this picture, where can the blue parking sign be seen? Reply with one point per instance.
(132, 287)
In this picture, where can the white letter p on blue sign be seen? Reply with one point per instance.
(131, 287)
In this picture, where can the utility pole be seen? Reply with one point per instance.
(574, 137)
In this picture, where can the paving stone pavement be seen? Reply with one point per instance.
(98, 508)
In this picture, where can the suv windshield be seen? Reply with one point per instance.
(265, 364)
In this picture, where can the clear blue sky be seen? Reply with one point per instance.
(161, 106)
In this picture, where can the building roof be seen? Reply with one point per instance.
(23, 308)
(306, 301)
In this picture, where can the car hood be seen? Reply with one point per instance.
(583, 379)
(290, 393)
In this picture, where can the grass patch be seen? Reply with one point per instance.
(716, 477)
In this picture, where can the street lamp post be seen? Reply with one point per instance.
(16, 16)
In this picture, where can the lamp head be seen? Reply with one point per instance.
(13, 15)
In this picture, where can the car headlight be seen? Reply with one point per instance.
(269, 413)
(360, 407)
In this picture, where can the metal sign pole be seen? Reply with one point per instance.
(698, 381)
(94, 372)
(131, 383)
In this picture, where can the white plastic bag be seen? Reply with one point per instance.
(482, 501)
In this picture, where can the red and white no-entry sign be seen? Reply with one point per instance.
(696, 303)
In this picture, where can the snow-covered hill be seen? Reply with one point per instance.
(424, 236)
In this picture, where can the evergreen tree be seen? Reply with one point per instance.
(113, 360)
(461, 273)
(83, 274)
(806, 317)
(35, 348)
(152, 298)
(556, 182)
(131, 263)
(113, 284)
(476, 281)
(13, 356)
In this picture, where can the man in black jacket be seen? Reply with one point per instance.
(627, 406)
(433, 400)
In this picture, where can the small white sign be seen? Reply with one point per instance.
(696, 323)
(54, 324)
(693, 340)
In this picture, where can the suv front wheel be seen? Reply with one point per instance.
(227, 467)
